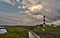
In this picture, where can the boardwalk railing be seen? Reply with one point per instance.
(33, 35)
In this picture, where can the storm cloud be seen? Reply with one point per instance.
(33, 11)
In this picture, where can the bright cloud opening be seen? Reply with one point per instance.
(36, 7)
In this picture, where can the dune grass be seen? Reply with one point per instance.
(47, 29)
(15, 32)
(22, 31)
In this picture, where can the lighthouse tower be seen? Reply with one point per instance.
(44, 21)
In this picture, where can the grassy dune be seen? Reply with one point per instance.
(15, 32)
(47, 29)
(22, 32)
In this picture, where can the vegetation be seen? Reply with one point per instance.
(15, 32)
(22, 31)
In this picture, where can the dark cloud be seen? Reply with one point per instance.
(51, 9)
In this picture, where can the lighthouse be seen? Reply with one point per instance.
(44, 21)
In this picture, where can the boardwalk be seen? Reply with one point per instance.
(33, 35)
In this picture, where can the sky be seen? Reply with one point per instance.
(29, 12)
